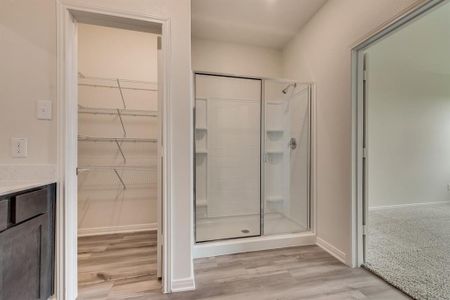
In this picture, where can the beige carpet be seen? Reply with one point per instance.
(410, 248)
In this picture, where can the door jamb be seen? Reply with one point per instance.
(410, 14)
(66, 231)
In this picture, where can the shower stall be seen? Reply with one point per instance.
(252, 157)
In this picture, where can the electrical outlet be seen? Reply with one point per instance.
(44, 110)
(19, 147)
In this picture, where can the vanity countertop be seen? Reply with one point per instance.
(9, 187)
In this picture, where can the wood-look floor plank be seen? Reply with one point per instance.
(124, 267)
(117, 266)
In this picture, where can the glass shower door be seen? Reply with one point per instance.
(227, 157)
(286, 157)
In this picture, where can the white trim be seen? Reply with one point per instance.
(183, 285)
(382, 207)
(335, 252)
(313, 159)
(117, 229)
(192, 182)
(66, 219)
(66, 232)
(243, 245)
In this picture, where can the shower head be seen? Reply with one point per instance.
(285, 90)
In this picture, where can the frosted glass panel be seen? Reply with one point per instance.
(286, 163)
(228, 143)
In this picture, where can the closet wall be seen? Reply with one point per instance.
(104, 205)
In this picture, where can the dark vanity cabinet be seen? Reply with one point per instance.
(27, 244)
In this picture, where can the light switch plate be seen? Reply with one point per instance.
(44, 110)
(19, 147)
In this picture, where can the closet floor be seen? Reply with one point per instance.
(117, 266)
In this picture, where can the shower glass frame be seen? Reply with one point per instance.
(262, 149)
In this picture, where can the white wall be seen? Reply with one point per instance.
(236, 59)
(408, 126)
(409, 114)
(321, 53)
(103, 206)
(27, 74)
(28, 68)
(117, 53)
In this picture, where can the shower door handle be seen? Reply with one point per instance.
(293, 143)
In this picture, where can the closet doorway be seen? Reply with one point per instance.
(118, 160)
(115, 205)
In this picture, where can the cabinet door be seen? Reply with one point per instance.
(24, 258)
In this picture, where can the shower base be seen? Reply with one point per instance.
(279, 232)
(244, 226)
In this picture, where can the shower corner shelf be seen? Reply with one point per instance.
(201, 203)
(275, 130)
(275, 199)
(275, 152)
(201, 151)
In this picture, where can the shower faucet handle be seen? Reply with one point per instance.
(293, 143)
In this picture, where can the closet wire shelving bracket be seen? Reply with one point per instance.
(120, 113)
(115, 169)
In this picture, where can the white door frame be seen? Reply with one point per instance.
(66, 231)
(359, 154)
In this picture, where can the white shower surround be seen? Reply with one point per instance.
(279, 222)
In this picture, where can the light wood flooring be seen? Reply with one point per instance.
(125, 272)
(117, 266)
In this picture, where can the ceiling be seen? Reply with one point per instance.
(266, 23)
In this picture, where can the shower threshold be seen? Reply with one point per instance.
(242, 234)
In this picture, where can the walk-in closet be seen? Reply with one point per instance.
(118, 161)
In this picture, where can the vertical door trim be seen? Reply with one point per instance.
(66, 204)
(364, 158)
(160, 150)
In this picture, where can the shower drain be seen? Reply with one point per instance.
(245, 231)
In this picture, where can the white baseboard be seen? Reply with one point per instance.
(253, 244)
(338, 254)
(407, 205)
(117, 229)
(183, 285)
